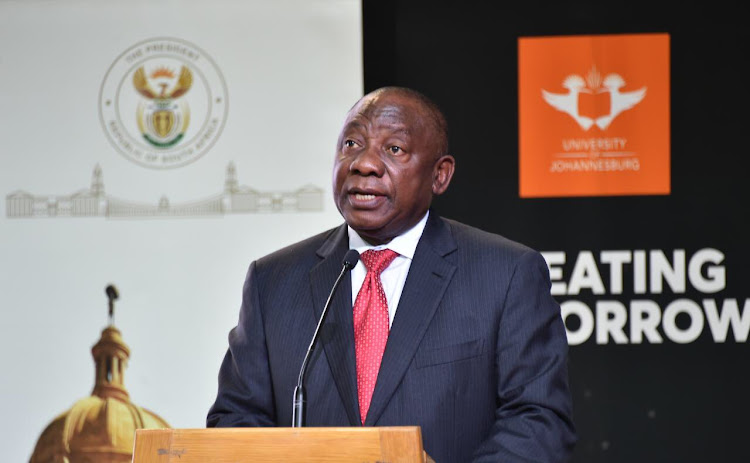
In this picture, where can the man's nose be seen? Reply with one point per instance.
(369, 161)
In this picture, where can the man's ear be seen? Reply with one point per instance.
(442, 174)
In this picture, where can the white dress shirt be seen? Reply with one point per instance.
(394, 276)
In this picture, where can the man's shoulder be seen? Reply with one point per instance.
(471, 237)
(298, 253)
(481, 252)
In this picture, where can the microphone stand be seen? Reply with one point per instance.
(298, 409)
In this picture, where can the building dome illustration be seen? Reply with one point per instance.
(99, 428)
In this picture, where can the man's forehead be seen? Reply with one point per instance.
(400, 113)
(393, 125)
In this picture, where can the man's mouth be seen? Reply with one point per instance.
(365, 199)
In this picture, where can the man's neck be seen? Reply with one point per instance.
(412, 235)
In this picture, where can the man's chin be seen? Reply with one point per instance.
(364, 219)
(364, 227)
(371, 229)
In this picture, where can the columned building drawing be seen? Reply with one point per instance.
(93, 202)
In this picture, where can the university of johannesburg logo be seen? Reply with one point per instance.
(594, 115)
(163, 103)
(583, 94)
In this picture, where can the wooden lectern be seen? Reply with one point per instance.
(400, 444)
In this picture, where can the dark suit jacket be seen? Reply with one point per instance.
(476, 355)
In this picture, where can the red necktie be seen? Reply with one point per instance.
(370, 325)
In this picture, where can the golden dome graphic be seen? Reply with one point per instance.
(99, 428)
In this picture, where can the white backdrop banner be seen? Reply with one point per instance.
(158, 146)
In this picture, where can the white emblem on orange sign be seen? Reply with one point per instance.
(594, 85)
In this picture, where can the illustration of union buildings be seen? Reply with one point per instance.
(235, 199)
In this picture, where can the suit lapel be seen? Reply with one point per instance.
(337, 333)
(429, 275)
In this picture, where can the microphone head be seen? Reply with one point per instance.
(350, 259)
(111, 292)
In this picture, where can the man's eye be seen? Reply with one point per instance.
(395, 149)
(349, 143)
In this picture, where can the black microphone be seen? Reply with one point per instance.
(298, 410)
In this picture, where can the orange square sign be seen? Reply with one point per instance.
(594, 115)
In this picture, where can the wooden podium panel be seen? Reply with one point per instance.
(401, 444)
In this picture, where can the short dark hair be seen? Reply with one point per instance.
(439, 123)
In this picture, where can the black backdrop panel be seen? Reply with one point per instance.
(686, 398)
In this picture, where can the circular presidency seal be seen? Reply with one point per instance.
(163, 103)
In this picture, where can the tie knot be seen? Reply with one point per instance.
(377, 261)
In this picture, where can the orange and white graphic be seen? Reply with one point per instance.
(593, 85)
(594, 115)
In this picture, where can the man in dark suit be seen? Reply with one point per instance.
(473, 349)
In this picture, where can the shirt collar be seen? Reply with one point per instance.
(405, 244)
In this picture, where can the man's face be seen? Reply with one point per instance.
(387, 166)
